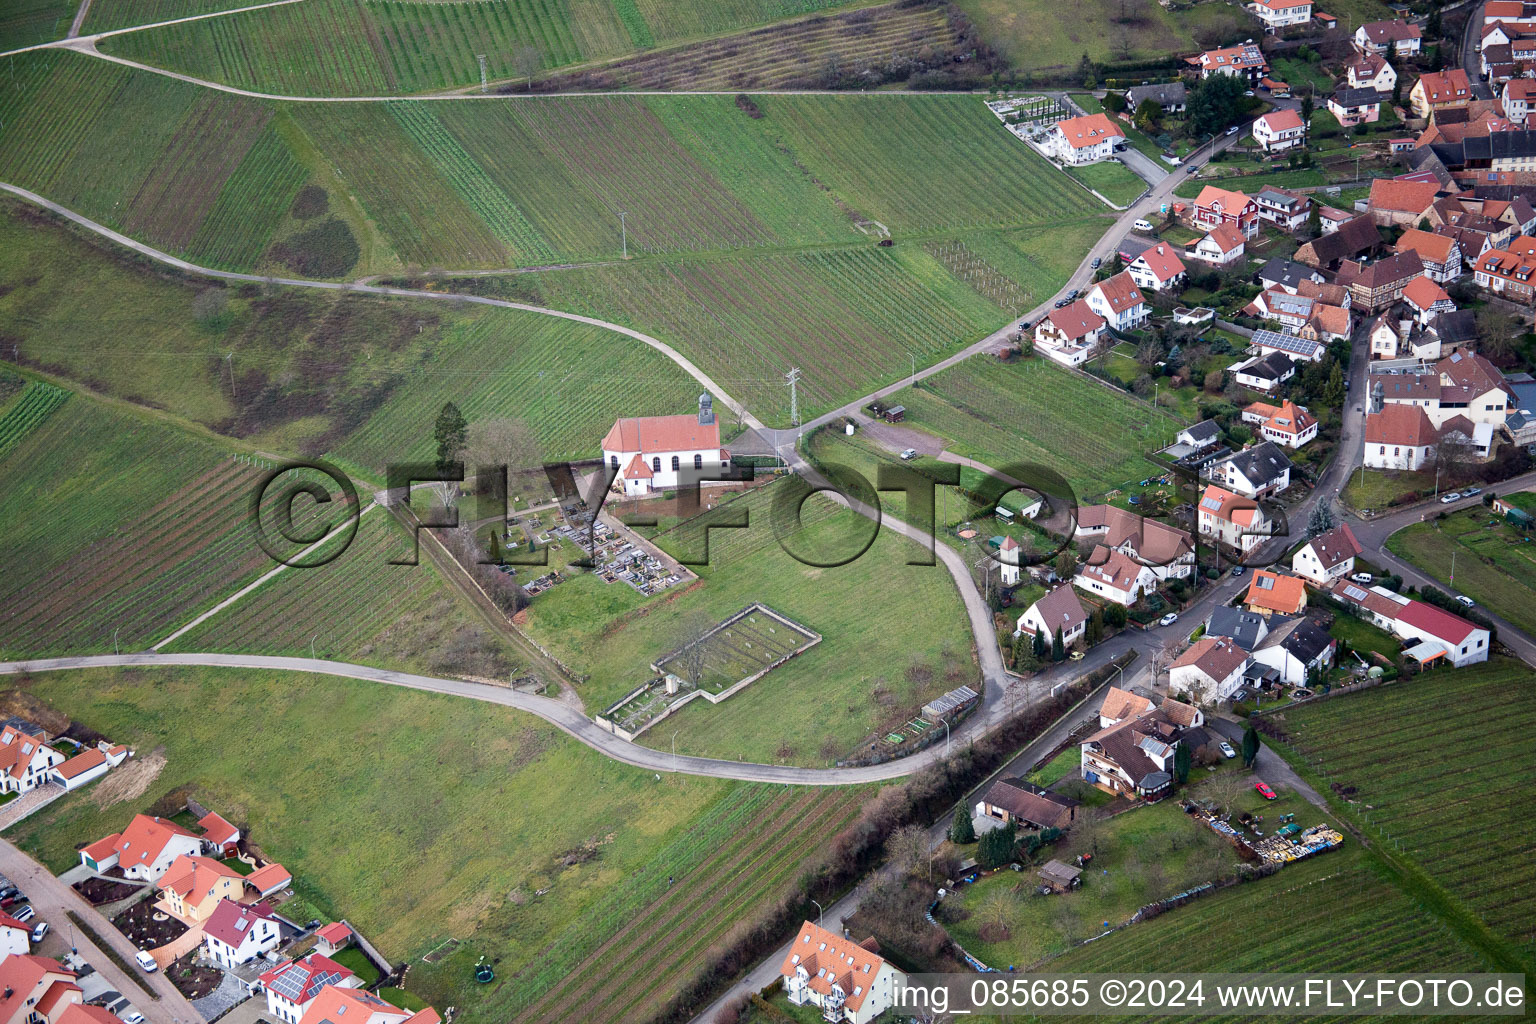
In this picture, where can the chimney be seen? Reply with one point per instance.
(706, 410)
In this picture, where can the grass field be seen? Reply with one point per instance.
(866, 669)
(1038, 413)
(734, 652)
(26, 22)
(1373, 744)
(314, 371)
(356, 808)
(1494, 563)
(1112, 180)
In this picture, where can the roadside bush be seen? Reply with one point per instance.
(310, 203)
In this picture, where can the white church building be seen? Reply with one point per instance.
(650, 453)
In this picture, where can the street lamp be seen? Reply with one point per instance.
(819, 912)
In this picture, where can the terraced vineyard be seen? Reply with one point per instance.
(649, 940)
(37, 400)
(1036, 412)
(127, 13)
(394, 47)
(1373, 745)
(28, 22)
(1294, 919)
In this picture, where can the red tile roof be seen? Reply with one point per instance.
(1402, 196)
(1231, 203)
(145, 839)
(1122, 704)
(17, 749)
(1162, 261)
(191, 876)
(658, 435)
(333, 1004)
(1076, 320)
(1424, 293)
(829, 958)
(1274, 592)
(299, 981)
(80, 1013)
(1226, 236)
(1445, 86)
(1429, 246)
(1336, 546)
(231, 922)
(7, 921)
(1397, 424)
(1120, 292)
(1437, 622)
(216, 830)
(335, 933)
(1281, 120)
(81, 763)
(1216, 656)
(102, 848)
(271, 876)
(1088, 130)
(1223, 504)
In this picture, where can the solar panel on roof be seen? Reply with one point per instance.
(1355, 593)
(1210, 503)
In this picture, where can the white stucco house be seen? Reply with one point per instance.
(1084, 140)
(236, 934)
(1209, 672)
(652, 453)
(845, 980)
(1060, 609)
(1328, 557)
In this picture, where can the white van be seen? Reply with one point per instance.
(146, 962)
(1142, 225)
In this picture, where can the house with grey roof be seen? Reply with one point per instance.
(1171, 96)
(1247, 629)
(1256, 472)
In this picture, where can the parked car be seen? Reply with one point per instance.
(1238, 570)
(134, 1017)
(1465, 601)
(1448, 498)
(1142, 225)
(17, 896)
(1240, 695)
(1096, 263)
(1471, 492)
(1077, 655)
(1264, 790)
(26, 913)
(1169, 619)
(8, 892)
(1062, 303)
(1362, 577)
(146, 962)
(1227, 751)
(1235, 128)
(1073, 294)
(1191, 169)
(38, 932)
(909, 454)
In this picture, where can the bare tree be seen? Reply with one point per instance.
(1226, 788)
(907, 847)
(997, 909)
(526, 61)
(501, 441)
(693, 655)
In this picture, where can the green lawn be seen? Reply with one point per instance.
(1299, 74)
(1376, 488)
(356, 809)
(1034, 411)
(1156, 850)
(1364, 637)
(1113, 180)
(353, 959)
(869, 668)
(1494, 563)
(1059, 766)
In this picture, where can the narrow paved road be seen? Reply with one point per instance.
(1269, 766)
(1471, 62)
(51, 898)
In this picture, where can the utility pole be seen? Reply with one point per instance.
(229, 360)
(114, 642)
(484, 87)
(792, 378)
(624, 233)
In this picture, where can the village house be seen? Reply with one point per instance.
(88, 765)
(1167, 551)
(1396, 37)
(651, 453)
(1506, 273)
(1285, 275)
(1245, 61)
(1328, 557)
(1461, 384)
(234, 934)
(1232, 519)
(1354, 106)
(1264, 373)
(1435, 634)
(1327, 324)
(1214, 207)
(1061, 609)
(1170, 96)
(1115, 576)
(1270, 593)
(1371, 71)
(1279, 130)
(1290, 311)
(1288, 424)
(15, 936)
(1221, 246)
(1025, 805)
(338, 1004)
(1084, 140)
(25, 760)
(332, 938)
(845, 980)
(1209, 672)
(1244, 628)
(292, 985)
(36, 990)
(1401, 203)
(1376, 286)
(1295, 650)
(1440, 255)
(1440, 90)
(1158, 268)
(1299, 349)
(1426, 300)
(144, 850)
(1119, 301)
(1518, 96)
(193, 886)
(1132, 756)
(1355, 237)
(1287, 210)
(1256, 472)
(1070, 335)
(1281, 14)
(221, 838)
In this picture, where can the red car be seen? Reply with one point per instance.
(1264, 790)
